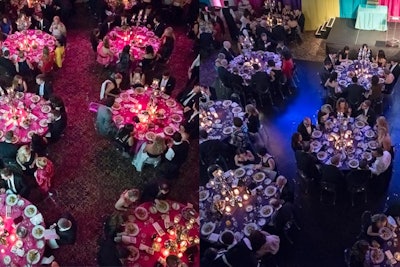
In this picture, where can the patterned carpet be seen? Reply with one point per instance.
(90, 173)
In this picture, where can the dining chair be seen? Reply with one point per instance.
(305, 180)
(358, 189)
(347, 255)
(330, 188)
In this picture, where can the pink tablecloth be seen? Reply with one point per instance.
(148, 235)
(30, 41)
(13, 117)
(131, 103)
(137, 37)
(29, 242)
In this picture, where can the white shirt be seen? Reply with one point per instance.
(193, 116)
(381, 164)
(170, 152)
(11, 184)
(190, 96)
(163, 82)
(41, 89)
(393, 66)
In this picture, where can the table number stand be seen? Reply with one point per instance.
(393, 42)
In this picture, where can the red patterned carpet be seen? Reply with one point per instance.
(90, 173)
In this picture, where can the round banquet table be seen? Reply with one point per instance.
(163, 119)
(363, 69)
(352, 138)
(217, 118)
(249, 215)
(29, 242)
(147, 232)
(128, 4)
(28, 115)
(31, 42)
(137, 37)
(244, 63)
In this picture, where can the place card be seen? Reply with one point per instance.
(189, 205)
(50, 234)
(389, 255)
(8, 211)
(213, 237)
(20, 252)
(146, 248)
(37, 219)
(128, 239)
(158, 228)
(167, 221)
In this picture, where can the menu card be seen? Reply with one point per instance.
(158, 228)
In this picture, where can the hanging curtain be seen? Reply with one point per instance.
(295, 4)
(348, 8)
(393, 8)
(317, 11)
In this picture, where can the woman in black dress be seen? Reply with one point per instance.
(26, 159)
(297, 142)
(253, 122)
(167, 45)
(18, 84)
(243, 157)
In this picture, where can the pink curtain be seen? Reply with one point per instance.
(393, 7)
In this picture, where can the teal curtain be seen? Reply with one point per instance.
(348, 8)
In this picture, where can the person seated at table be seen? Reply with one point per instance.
(47, 60)
(26, 159)
(332, 85)
(366, 113)
(104, 55)
(267, 161)
(325, 73)
(342, 108)
(39, 145)
(23, 22)
(324, 114)
(365, 53)
(66, 230)
(354, 93)
(8, 150)
(111, 254)
(45, 89)
(137, 78)
(148, 60)
(124, 139)
(264, 44)
(124, 60)
(306, 128)
(59, 53)
(57, 28)
(331, 173)
(175, 156)
(227, 51)
(57, 103)
(384, 140)
(56, 126)
(95, 39)
(150, 152)
(297, 142)
(375, 93)
(155, 190)
(395, 69)
(380, 59)
(190, 128)
(23, 66)
(286, 188)
(343, 55)
(6, 27)
(44, 173)
(278, 31)
(107, 26)
(126, 199)
(389, 82)
(8, 66)
(239, 137)
(158, 26)
(167, 45)
(167, 82)
(378, 221)
(382, 162)
(104, 123)
(189, 97)
(14, 183)
(243, 157)
(113, 89)
(381, 122)
(307, 162)
(122, 20)
(358, 176)
(358, 253)
(41, 23)
(19, 84)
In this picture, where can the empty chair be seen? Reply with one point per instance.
(330, 188)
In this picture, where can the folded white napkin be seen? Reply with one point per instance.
(20, 252)
(213, 237)
(37, 219)
(50, 234)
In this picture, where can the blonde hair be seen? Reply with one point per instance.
(159, 144)
(23, 153)
(251, 109)
(381, 122)
(41, 162)
(16, 79)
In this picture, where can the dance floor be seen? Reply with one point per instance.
(90, 173)
(326, 230)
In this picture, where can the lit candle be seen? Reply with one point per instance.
(2, 250)
(159, 239)
(240, 205)
(183, 243)
(228, 209)
(245, 197)
(12, 238)
(236, 191)
(180, 255)
(165, 253)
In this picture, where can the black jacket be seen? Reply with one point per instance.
(354, 94)
(303, 131)
(8, 151)
(170, 85)
(331, 174)
(44, 26)
(67, 237)
(8, 65)
(48, 90)
(20, 185)
(57, 128)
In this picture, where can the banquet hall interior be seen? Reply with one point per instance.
(283, 195)
(99, 160)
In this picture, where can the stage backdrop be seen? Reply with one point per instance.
(393, 7)
(317, 11)
(348, 8)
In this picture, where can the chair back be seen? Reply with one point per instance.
(347, 256)
(365, 222)
(327, 186)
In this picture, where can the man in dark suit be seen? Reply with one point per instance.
(191, 126)
(45, 89)
(331, 173)
(107, 26)
(354, 93)
(122, 21)
(190, 97)
(41, 23)
(13, 182)
(286, 188)
(8, 151)
(395, 70)
(325, 73)
(261, 28)
(224, 75)
(57, 127)
(66, 229)
(306, 128)
(331, 58)
(167, 82)
(7, 64)
(264, 44)
(366, 111)
(278, 31)
(175, 156)
(307, 162)
(227, 51)
(158, 26)
(259, 80)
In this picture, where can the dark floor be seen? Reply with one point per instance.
(326, 230)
